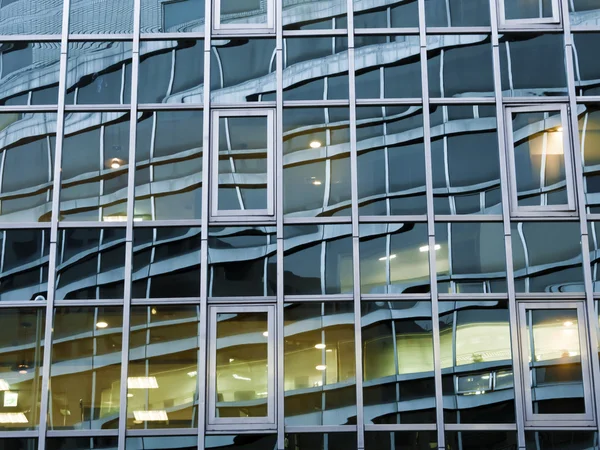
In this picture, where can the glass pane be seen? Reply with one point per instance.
(481, 440)
(241, 442)
(90, 264)
(238, 13)
(299, 16)
(168, 178)
(86, 368)
(587, 66)
(19, 443)
(594, 247)
(81, 443)
(166, 262)
(22, 346)
(162, 388)
(242, 379)
(27, 188)
(242, 261)
(319, 364)
(555, 363)
(525, 9)
(539, 153)
(457, 13)
(243, 174)
(385, 13)
(400, 440)
(112, 16)
(162, 443)
(31, 17)
(561, 439)
(589, 137)
(172, 16)
(319, 441)
(576, 7)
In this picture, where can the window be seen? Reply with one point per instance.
(540, 159)
(242, 164)
(555, 363)
(234, 16)
(241, 367)
(536, 13)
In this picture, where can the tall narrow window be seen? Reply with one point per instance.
(244, 16)
(521, 13)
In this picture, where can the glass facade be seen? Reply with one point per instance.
(299, 224)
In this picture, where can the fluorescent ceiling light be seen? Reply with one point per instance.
(425, 248)
(151, 416)
(320, 346)
(101, 324)
(13, 418)
(142, 383)
(239, 377)
(321, 367)
(192, 374)
(11, 399)
(314, 144)
(4, 386)
(383, 258)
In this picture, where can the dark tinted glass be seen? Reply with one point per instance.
(172, 16)
(587, 66)
(561, 439)
(589, 138)
(481, 440)
(457, 13)
(82, 443)
(320, 441)
(382, 13)
(241, 442)
(162, 443)
(400, 440)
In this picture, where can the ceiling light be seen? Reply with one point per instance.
(317, 183)
(559, 129)
(425, 248)
(383, 258)
(13, 418)
(153, 311)
(4, 386)
(11, 399)
(568, 323)
(321, 367)
(129, 395)
(151, 416)
(115, 163)
(231, 360)
(265, 333)
(329, 350)
(23, 372)
(142, 383)
(239, 377)
(192, 374)
(485, 377)
(314, 144)
(320, 346)
(101, 324)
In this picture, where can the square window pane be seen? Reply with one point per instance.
(172, 16)
(107, 17)
(457, 13)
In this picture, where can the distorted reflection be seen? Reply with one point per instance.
(404, 440)
(162, 386)
(82, 443)
(314, 441)
(457, 13)
(589, 132)
(241, 442)
(319, 364)
(169, 17)
(397, 346)
(86, 368)
(169, 442)
(112, 16)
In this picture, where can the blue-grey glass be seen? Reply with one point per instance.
(26, 188)
(95, 158)
(400, 440)
(391, 160)
(587, 65)
(312, 441)
(464, 137)
(460, 65)
(29, 67)
(90, 263)
(318, 259)
(547, 257)
(536, 66)
(24, 269)
(539, 154)
(166, 262)
(22, 349)
(555, 361)
(397, 56)
(242, 261)
(481, 440)
(561, 439)
(240, 13)
(457, 13)
(19, 443)
(583, 12)
(470, 257)
(30, 17)
(162, 384)
(316, 162)
(171, 71)
(302, 14)
(589, 141)
(168, 178)
(315, 68)
(85, 372)
(594, 249)
(99, 72)
(319, 364)
(383, 14)
(476, 362)
(397, 347)
(172, 16)
(240, 442)
(81, 443)
(394, 259)
(527, 10)
(242, 70)
(170, 442)
(104, 17)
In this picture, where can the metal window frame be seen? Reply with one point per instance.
(239, 216)
(215, 423)
(243, 28)
(536, 419)
(539, 23)
(549, 211)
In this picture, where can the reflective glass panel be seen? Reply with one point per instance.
(481, 440)
(241, 13)
(22, 348)
(457, 13)
(524, 9)
(168, 178)
(86, 368)
(594, 249)
(107, 17)
(170, 442)
(172, 16)
(583, 12)
(162, 388)
(397, 347)
(589, 139)
(560, 439)
(587, 66)
(19, 443)
(241, 442)
(82, 443)
(31, 17)
(321, 441)
(316, 162)
(319, 364)
(25, 188)
(385, 13)
(242, 261)
(394, 258)
(318, 260)
(400, 440)
(166, 262)
(301, 15)
(547, 257)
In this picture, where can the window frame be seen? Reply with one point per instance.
(247, 28)
(554, 21)
(570, 208)
(228, 423)
(538, 419)
(226, 215)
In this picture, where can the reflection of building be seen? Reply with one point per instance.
(299, 225)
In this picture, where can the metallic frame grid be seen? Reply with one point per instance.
(514, 298)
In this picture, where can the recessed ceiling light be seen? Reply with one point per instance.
(321, 367)
(320, 346)
(383, 258)
(329, 350)
(115, 163)
(153, 311)
(129, 395)
(316, 183)
(192, 374)
(101, 324)
(265, 333)
(142, 383)
(151, 416)
(314, 144)
(13, 418)
(425, 248)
